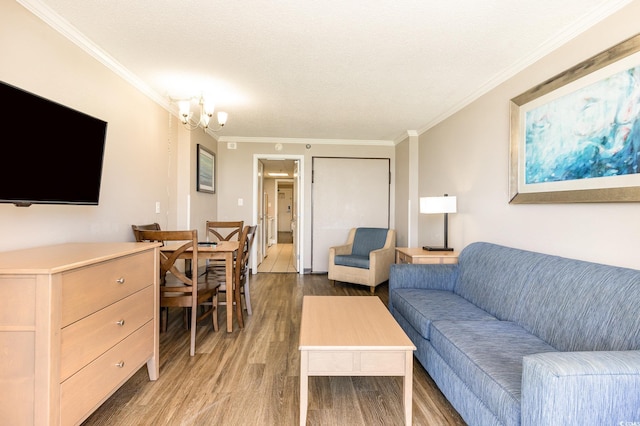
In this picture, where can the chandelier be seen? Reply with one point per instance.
(204, 119)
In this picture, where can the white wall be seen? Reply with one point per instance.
(467, 155)
(142, 150)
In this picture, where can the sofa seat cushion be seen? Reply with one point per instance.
(487, 355)
(420, 307)
(352, 260)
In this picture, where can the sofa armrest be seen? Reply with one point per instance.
(428, 277)
(581, 388)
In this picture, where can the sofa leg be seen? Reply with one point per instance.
(373, 289)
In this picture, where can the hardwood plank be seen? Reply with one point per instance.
(251, 376)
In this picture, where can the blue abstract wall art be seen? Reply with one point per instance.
(593, 132)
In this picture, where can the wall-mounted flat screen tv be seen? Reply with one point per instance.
(51, 154)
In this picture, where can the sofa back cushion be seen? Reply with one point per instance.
(493, 277)
(572, 305)
(582, 306)
(366, 240)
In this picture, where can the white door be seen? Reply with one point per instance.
(261, 230)
(296, 214)
(346, 193)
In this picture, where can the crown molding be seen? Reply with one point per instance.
(242, 139)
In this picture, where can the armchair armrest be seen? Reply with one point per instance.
(581, 388)
(380, 261)
(428, 277)
(341, 250)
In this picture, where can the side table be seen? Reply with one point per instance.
(418, 255)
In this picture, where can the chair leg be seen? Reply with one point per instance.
(238, 303)
(185, 318)
(194, 315)
(247, 298)
(214, 312)
(164, 319)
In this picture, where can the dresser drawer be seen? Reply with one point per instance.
(85, 340)
(89, 289)
(83, 391)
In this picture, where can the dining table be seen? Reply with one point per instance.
(220, 250)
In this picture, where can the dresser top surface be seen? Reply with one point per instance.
(61, 257)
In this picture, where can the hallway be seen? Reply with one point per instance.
(279, 259)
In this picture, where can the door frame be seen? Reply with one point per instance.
(300, 204)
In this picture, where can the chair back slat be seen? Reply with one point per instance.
(148, 227)
(224, 230)
(168, 264)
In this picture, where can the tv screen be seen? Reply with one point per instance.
(51, 154)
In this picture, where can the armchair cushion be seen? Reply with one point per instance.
(367, 240)
(352, 260)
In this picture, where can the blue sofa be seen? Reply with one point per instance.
(514, 337)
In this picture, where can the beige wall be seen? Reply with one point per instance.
(467, 155)
(236, 171)
(146, 151)
(203, 205)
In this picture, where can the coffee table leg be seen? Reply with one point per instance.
(304, 386)
(408, 388)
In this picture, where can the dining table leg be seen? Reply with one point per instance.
(228, 257)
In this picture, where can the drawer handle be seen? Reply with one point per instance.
(120, 364)
(120, 280)
(120, 323)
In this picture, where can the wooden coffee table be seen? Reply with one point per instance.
(352, 336)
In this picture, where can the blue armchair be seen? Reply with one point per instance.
(365, 258)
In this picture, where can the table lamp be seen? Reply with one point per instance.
(438, 205)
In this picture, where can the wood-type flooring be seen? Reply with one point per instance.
(251, 376)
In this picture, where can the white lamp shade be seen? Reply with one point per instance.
(208, 107)
(184, 107)
(222, 118)
(430, 205)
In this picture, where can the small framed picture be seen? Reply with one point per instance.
(206, 177)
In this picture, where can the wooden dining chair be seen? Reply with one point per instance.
(148, 227)
(221, 231)
(179, 289)
(241, 274)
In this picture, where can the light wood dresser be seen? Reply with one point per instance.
(77, 320)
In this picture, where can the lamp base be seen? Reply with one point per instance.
(437, 248)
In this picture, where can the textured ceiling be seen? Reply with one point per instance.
(366, 70)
